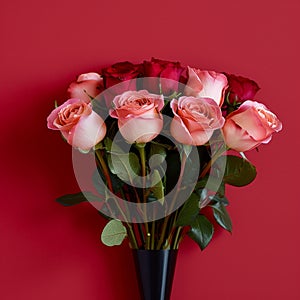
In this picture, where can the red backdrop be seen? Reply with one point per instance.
(51, 252)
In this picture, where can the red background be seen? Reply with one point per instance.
(51, 252)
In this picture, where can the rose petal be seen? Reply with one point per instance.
(89, 131)
(53, 115)
(140, 130)
(237, 138)
(206, 84)
(89, 76)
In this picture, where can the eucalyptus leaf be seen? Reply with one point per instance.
(157, 155)
(113, 233)
(73, 199)
(189, 211)
(126, 166)
(238, 171)
(221, 215)
(201, 231)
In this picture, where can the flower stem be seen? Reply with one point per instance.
(166, 220)
(105, 170)
(177, 237)
(141, 149)
(218, 153)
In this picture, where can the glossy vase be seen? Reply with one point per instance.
(155, 272)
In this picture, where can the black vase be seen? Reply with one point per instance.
(155, 272)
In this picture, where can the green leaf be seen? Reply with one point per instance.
(113, 233)
(189, 211)
(73, 199)
(238, 171)
(221, 215)
(157, 155)
(201, 231)
(157, 186)
(214, 184)
(125, 166)
(220, 199)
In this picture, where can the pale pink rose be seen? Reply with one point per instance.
(206, 84)
(195, 119)
(87, 85)
(138, 114)
(249, 126)
(78, 123)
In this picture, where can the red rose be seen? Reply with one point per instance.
(123, 75)
(241, 88)
(163, 69)
(120, 72)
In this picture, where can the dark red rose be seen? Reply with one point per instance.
(123, 75)
(241, 88)
(120, 72)
(162, 69)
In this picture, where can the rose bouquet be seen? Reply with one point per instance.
(157, 136)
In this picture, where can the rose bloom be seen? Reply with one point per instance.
(206, 84)
(138, 114)
(249, 126)
(240, 88)
(195, 119)
(162, 69)
(119, 78)
(79, 124)
(87, 85)
(120, 72)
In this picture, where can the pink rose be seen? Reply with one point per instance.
(240, 88)
(206, 84)
(195, 119)
(249, 126)
(87, 85)
(78, 123)
(138, 114)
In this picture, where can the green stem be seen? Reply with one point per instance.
(180, 237)
(177, 237)
(218, 153)
(105, 170)
(141, 149)
(166, 220)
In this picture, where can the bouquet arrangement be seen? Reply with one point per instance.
(154, 140)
